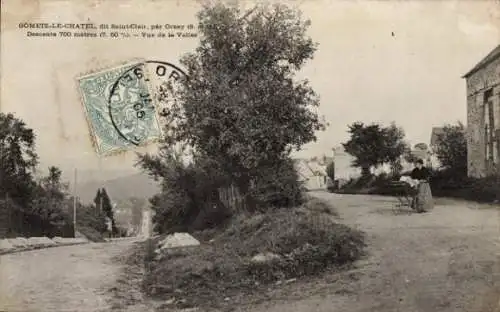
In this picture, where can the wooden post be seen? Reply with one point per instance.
(74, 206)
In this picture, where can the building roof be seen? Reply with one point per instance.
(302, 168)
(307, 168)
(493, 55)
(436, 132)
(316, 168)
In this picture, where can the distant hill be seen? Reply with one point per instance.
(135, 185)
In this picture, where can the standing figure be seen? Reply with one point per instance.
(423, 201)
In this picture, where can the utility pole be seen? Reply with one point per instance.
(74, 205)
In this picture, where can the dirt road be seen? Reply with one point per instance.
(442, 261)
(74, 278)
(446, 260)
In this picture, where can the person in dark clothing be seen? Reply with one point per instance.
(423, 200)
(420, 172)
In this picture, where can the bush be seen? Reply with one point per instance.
(191, 192)
(451, 148)
(318, 205)
(278, 186)
(86, 216)
(91, 234)
(306, 239)
(447, 183)
(187, 191)
(444, 183)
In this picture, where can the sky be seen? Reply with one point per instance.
(377, 61)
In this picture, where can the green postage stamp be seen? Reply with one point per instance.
(119, 108)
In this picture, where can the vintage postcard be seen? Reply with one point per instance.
(314, 155)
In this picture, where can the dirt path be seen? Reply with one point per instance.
(442, 261)
(446, 260)
(74, 278)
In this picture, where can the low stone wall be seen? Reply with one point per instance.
(11, 245)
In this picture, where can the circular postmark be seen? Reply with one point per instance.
(139, 97)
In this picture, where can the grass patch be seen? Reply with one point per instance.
(91, 234)
(303, 241)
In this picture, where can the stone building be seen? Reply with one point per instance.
(311, 173)
(483, 116)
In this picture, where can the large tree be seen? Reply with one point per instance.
(451, 148)
(18, 159)
(395, 147)
(373, 145)
(49, 201)
(107, 207)
(241, 106)
(330, 170)
(98, 202)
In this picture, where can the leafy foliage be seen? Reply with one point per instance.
(305, 241)
(278, 186)
(98, 201)
(187, 190)
(18, 159)
(451, 148)
(421, 146)
(31, 207)
(49, 200)
(330, 171)
(241, 106)
(373, 145)
(410, 157)
(103, 202)
(87, 216)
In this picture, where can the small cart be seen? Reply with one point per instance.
(406, 195)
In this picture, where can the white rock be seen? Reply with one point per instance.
(178, 240)
(5, 245)
(265, 257)
(58, 240)
(80, 240)
(71, 240)
(62, 240)
(40, 242)
(19, 242)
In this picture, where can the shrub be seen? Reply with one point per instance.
(318, 205)
(91, 234)
(191, 192)
(444, 183)
(86, 216)
(278, 186)
(330, 172)
(306, 240)
(447, 183)
(451, 149)
(188, 190)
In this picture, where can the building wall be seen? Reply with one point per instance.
(477, 84)
(315, 183)
(343, 166)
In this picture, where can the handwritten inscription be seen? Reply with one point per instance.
(108, 31)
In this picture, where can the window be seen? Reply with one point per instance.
(488, 94)
(491, 153)
(486, 141)
(495, 152)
